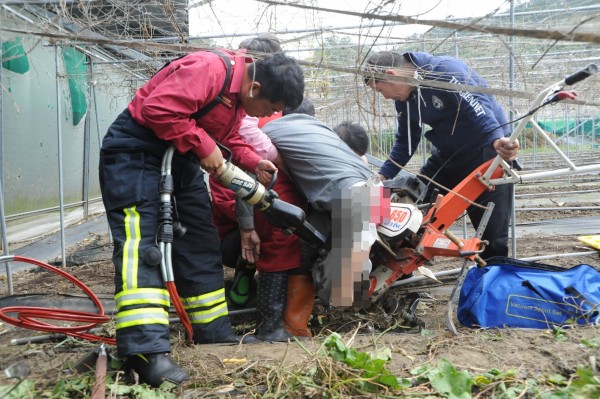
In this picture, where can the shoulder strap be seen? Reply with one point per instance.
(219, 98)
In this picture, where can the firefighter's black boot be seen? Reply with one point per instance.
(155, 368)
(219, 331)
(272, 296)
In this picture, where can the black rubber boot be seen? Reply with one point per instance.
(272, 296)
(219, 331)
(155, 368)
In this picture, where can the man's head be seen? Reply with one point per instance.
(355, 136)
(262, 44)
(393, 64)
(307, 107)
(272, 84)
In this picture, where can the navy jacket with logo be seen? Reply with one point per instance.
(459, 120)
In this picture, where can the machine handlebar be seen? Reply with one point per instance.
(578, 76)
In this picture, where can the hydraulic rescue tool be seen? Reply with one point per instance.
(279, 213)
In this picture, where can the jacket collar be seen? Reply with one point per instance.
(238, 65)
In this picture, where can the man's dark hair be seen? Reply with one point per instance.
(379, 62)
(307, 107)
(387, 59)
(354, 135)
(280, 78)
(262, 44)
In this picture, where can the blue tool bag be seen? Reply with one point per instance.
(513, 293)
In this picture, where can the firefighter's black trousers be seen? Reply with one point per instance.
(130, 172)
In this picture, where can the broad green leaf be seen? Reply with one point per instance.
(25, 389)
(118, 389)
(375, 366)
(383, 354)
(390, 380)
(404, 382)
(586, 386)
(483, 379)
(450, 382)
(554, 395)
(420, 370)
(590, 343)
(556, 379)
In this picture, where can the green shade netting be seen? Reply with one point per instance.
(75, 65)
(560, 126)
(14, 57)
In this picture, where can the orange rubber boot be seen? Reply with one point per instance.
(300, 304)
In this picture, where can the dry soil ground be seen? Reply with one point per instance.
(532, 353)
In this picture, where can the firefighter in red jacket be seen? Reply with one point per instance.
(223, 199)
(176, 107)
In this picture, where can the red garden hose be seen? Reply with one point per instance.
(31, 316)
(178, 305)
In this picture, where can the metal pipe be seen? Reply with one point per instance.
(562, 208)
(452, 272)
(2, 215)
(511, 107)
(590, 179)
(415, 279)
(552, 11)
(20, 2)
(97, 118)
(5, 238)
(534, 258)
(555, 193)
(552, 144)
(51, 209)
(535, 176)
(86, 155)
(336, 28)
(47, 337)
(60, 168)
(18, 14)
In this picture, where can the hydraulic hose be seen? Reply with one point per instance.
(165, 238)
(31, 317)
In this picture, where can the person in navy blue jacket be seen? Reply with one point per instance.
(467, 129)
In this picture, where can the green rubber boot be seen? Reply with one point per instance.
(242, 283)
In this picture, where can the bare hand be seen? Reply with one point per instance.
(506, 149)
(213, 161)
(382, 177)
(265, 170)
(250, 245)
